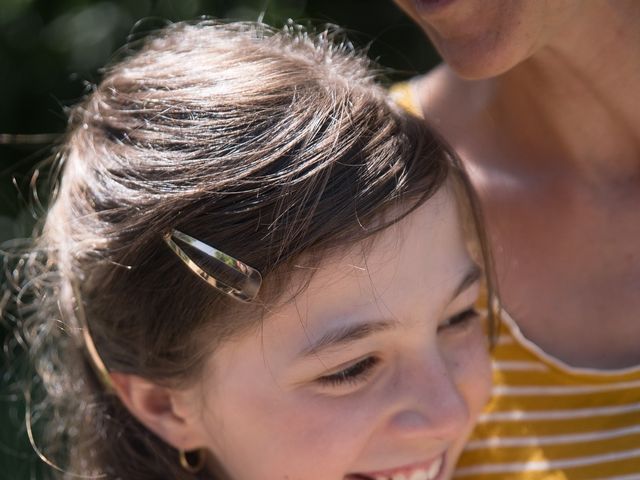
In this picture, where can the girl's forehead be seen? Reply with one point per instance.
(411, 269)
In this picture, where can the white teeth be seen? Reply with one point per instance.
(420, 475)
(400, 476)
(434, 469)
(430, 474)
(416, 475)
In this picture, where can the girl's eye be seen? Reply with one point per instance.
(358, 372)
(460, 319)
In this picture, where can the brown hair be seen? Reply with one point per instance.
(268, 145)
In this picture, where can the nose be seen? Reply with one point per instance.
(428, 403)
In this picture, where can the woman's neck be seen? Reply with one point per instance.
(578, 99)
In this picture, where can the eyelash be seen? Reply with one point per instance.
(355, 373)
(359, 371)
(460, 319)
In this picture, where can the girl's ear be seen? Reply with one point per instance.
(170, 414)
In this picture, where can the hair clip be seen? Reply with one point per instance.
(224, 269)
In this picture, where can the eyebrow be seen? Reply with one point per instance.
(351, 333)
(346, 334)
(472, 275)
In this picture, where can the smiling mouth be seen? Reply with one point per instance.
(424, 471)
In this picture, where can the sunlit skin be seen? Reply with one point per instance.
(379, 365)
(480, 38)
(542, 101)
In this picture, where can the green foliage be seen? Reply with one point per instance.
(50, 55)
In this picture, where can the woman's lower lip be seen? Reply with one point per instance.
(430, 6)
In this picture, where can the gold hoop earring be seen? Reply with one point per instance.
(199, 459)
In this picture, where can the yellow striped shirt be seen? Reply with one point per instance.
(547, 420)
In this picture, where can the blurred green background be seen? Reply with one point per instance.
(50, 55)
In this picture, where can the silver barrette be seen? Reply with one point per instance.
(250, 279)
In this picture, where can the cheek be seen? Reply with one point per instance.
(283, 433)
(469, 364)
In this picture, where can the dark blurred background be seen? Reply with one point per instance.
(51, 52)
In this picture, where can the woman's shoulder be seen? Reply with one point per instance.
(440, 95)
(404, 94)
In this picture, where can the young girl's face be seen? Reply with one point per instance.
(378, 370)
